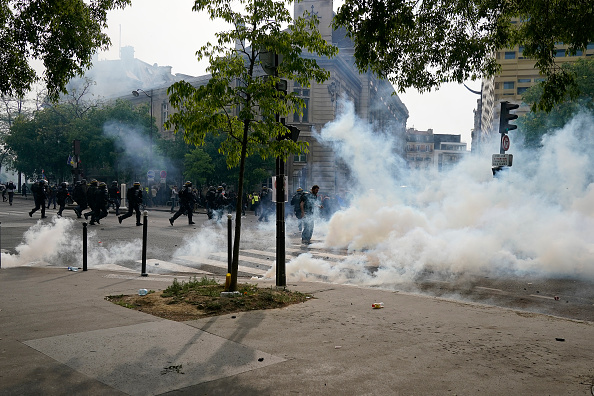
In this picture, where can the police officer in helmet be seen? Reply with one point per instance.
(186, 203)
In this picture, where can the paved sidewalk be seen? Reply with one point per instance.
(58, 336)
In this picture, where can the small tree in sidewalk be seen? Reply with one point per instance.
(239, 101)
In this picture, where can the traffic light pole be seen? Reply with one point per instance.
(281, 279)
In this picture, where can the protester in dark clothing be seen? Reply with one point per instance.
(265, 204)
(51, 196)
(187, 199)
(39, 191)
(10, 187)
(24, 190)
(220, 202)
(309, 204)
(210, 202)
(134, 197)
(295, 203)
(61, 195)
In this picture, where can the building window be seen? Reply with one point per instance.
(523, 80)
(510, 55)
(521, 90)
(560, 53)
(521, 52)
(164, 112)
(304, 94)
(508, 85)
(590, 46)
(300, 158)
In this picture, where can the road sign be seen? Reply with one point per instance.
(150, 174)
(163, 174)
(505, 142)
(502, 159)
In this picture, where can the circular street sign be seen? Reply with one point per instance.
(163, 174)
(505, 142)
(150, 174)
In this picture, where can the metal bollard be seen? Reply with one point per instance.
(0, 244)
(84, 246)
(144, 238)
(230, 242)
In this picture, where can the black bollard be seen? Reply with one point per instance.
(84, 246)
(144, 238)
(230, 243)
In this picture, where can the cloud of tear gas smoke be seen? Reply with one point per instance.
(201, 244)
(536, 219)
(134, 147)
(59, 243)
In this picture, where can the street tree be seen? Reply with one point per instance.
(534, 125)
(62, 34)
(238, 101)
(423, 44)
(198, 166)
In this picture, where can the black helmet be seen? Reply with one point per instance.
(94, 182)
(136, 184)
(188, 183)
(64, 184)
(102, 184)
(114, 183)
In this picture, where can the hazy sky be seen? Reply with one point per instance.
(169, 33)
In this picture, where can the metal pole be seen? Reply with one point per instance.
(144, 238)
(229, 243)
(84, 246)
(280, 223)
(0, 244)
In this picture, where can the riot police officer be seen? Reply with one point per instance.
(100, 202)
(79, 195)
(134, 200)
(39, 191)
(91, 198)
(61, 195)
(186, 203)
(114, 196)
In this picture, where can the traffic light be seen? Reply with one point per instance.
(506, 117)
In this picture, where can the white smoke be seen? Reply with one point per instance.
(535, 219)
(58, 242)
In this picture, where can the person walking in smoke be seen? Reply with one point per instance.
(39, 191)
(79, 195)
(134, 198)
(309, 204)
(186, 203)
(296, 204)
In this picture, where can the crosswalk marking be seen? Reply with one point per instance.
(246, 258)
(166, 265)
(221, 264)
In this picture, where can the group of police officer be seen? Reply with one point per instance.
(94, 196)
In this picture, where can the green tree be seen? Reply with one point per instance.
(237, 101)
(62, 34)
(198, 166)
(536, 124)
(423, 44)
(44, 140)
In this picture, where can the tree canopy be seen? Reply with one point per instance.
(423, 44)
(62, 34)
(239, 102)
(536, 124)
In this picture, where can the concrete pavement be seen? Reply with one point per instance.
(58, 336)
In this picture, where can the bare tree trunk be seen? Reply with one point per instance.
(237, 238)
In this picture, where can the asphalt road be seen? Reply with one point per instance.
(563, 297)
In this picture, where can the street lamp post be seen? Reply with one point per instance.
(136, 94)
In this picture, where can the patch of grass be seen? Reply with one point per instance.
(202, 297)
